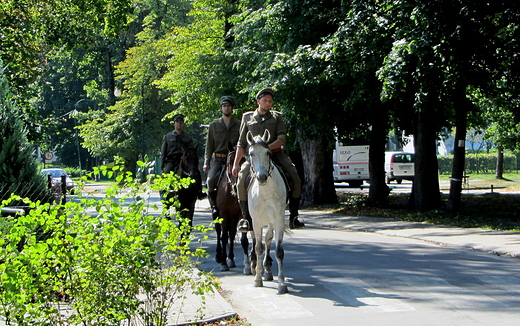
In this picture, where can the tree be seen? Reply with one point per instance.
(133, 127)
(19, 173)
(30, 26)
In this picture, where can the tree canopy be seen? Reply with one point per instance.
(352, 69)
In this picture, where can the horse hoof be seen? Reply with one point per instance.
(224, 268)
(247, 271)
(282, 289)
(268, 277)
(259, 283)
(231, 263)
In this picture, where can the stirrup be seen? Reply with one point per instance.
(243, 226)
(296, 224)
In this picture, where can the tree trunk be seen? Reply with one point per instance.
(425, 189)
(459, 159)
(378, 191)
(318, 183)
(500, 164)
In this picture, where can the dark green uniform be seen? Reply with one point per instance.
(219, 135)
(257, 124)
(172, 150)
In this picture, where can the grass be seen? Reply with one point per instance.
(487, 210)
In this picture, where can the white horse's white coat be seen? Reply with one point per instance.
(267, 200)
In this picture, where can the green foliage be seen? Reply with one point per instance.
(30, 26)
(133, 126)
(197, 72)
(19, 173)
(480, 163)
(98, 261)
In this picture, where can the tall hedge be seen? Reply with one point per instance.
(481, 163)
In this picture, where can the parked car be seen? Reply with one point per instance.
(56, 178)
(399, 166)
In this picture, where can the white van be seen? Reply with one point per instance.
(399, 166)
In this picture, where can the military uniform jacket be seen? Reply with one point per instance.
(219, 135)
(257, 124)
(173, 144)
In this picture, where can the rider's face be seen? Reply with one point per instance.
(179, 126)
(226, 109)
(265, 103)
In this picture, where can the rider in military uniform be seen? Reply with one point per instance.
(221, 132)
(257, 122)
(173, 145)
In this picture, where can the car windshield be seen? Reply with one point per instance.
(54, 173)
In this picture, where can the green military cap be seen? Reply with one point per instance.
(264, 92)
(178, 117)
(227, 99)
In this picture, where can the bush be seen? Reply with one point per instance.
(480, 163)
(108, 263)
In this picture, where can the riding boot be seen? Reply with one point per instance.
(245, 224)
(212, 197)
(294, 205)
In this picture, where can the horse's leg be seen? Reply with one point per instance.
(268, 261)
(218, 229)
(282, 288)
(225, 237)
(245, 246)
(259, 251)
(232, 232)
(252, 254)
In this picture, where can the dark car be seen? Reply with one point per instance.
(56, 178)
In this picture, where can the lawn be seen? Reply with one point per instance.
(498, 210)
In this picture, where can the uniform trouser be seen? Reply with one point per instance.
(170, 166)
(282, 161)
(213, 174)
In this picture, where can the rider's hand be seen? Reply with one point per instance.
(235, 171)
(205, 168)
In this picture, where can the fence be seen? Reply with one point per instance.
(53, 191)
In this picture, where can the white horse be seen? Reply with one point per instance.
(267, 198)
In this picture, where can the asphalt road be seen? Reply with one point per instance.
(343, 277)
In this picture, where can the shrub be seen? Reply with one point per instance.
(109, 263)
(480, 163)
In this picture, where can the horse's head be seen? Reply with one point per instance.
(260, 156)
(189, 166)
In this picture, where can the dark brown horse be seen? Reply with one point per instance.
(230, 213)
(187, 196)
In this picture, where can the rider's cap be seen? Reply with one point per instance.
(178, 117)
(264, 92)
(226, 99)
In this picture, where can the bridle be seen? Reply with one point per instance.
(184, 167)
(270, 168)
